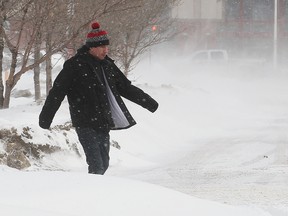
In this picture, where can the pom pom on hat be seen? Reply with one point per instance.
(95, 25)
(96, 37)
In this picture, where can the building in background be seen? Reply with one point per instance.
(243, 27)
(198, 21)
(199, 9)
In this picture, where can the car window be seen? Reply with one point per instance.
(217, 56)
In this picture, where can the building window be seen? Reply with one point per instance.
(232, 9)
(256, 10)
(263, 10)
(250, 16)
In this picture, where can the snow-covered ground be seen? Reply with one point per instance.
(219, 137)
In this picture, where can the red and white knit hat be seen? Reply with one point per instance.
(96, 37)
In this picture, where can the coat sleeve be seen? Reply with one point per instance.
(55, 96)
(133, 93)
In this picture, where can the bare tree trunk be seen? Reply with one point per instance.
(14, 49)
(125, 56)
(37, 57)
(10, 81)
(8, 90)
(1, 68)
(2, 17)
(48, 64)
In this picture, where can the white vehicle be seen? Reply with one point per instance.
(211, 55)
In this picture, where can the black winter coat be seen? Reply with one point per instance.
(81, 79)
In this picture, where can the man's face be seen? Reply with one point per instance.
(99, 52)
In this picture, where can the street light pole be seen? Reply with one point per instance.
(275, 44)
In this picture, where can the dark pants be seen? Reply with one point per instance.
(96, 146)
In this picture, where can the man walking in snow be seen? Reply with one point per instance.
(94, 85)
